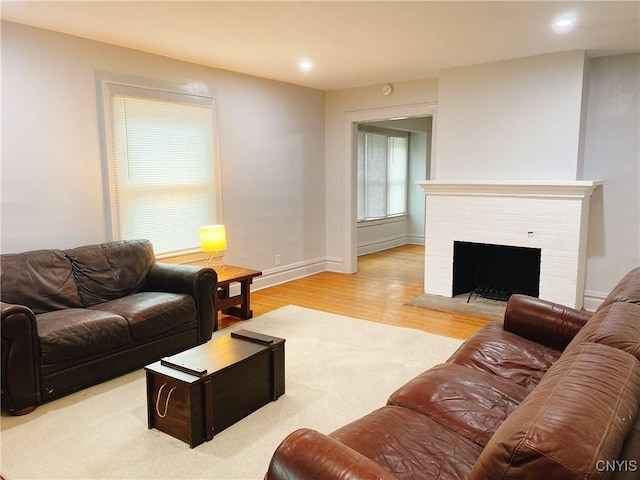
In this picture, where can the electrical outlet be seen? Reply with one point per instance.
(278, 259)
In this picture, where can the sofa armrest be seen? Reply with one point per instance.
(176, 278)
(20, 359)
(542, 321)
(310, 455)
(198, 282)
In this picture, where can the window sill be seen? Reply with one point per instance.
(382, 221)
(183, 257)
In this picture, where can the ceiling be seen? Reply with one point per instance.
(350, 44)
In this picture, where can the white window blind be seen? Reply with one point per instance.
(397, 176)
(163, 172)
(382, 175)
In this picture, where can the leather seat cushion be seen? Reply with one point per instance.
(410, 445)
(467, 400)
(510, 356)
(78, 333)
(576, 418)
(151, 314)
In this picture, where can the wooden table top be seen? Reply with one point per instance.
(231, 273)
(215, 356)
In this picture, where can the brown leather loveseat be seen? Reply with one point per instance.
(552, 393)
(72, 318)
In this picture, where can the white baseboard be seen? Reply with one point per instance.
(387, 243)
(592, 300)
(380, 245)
(286, 273)
(415, 239)
(335, 264)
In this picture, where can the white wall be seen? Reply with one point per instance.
(612, 154)
(53, 196)
(512, 120)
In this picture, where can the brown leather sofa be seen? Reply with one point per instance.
(72, 318)
(551, 393)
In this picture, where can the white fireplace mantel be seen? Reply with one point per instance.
(576, 188)
(549, 215)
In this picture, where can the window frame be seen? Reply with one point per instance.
(112, 88)
(388, 133)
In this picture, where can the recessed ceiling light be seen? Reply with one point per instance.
(305, 65)
(564, 23)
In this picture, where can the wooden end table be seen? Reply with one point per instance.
(237, 305)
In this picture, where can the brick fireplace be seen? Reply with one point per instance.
(550, 216)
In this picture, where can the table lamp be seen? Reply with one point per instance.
(213, 240)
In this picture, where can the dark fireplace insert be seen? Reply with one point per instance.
(495, 271)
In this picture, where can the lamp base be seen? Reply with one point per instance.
(214, 260)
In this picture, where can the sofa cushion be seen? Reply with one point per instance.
(507, 355)
(410, 445)
(41, 280)
(77, 333)
(616, 325)
(628, 466)
(110, 270)
(151, 314)
(574, 422)
(627, 290)
(467, 400)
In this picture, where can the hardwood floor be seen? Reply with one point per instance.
(384, 283)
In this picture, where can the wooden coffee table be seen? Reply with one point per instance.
(237, 305)
(240, 376)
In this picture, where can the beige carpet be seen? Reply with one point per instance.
(337, 369)
(477, 307)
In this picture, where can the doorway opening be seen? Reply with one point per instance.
(391, 156)
(352, 120)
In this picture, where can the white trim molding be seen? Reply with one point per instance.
(576, 189)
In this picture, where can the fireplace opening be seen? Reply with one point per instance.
(495, 271)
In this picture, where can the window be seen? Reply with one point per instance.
(163, 174)
(382, 174)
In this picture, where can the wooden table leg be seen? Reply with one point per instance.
(245, 291)
(227, 304)
(223, 292)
